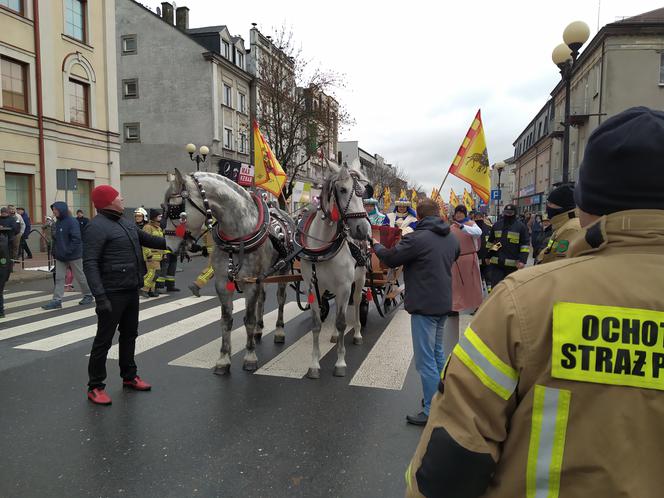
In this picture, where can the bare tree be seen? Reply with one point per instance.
(296, 120)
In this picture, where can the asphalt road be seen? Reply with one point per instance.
(272, 433)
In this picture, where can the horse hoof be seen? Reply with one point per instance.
(358, 340)
(279, 339)
(333, 339)
(339, 371)
(250, 366)
(223, 370)
(313, 373)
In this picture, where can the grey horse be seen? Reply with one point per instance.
(239, 215)
(341, 217)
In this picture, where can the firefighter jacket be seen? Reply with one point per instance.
(154, 229)
(555, 388)
(508, 243)
(566, 227)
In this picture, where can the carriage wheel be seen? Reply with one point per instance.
(364, 311)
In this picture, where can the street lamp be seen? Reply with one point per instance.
(500, 166)
(564, 56)
(200, 157)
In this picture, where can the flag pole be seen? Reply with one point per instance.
(443, 183)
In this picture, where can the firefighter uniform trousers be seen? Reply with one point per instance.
(208, 272)
(555, 389)
(152, 259)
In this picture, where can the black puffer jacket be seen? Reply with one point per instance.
(427, 255)
(112, 257)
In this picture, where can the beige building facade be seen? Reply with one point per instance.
(58, 107)
(621, 67)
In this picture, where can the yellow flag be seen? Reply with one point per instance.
(413, 199)
(434, 194)
(403, 194)
(269, 174)
(468, 200)
(387, 198)
(454, 200)
(471, 163)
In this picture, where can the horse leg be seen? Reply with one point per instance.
(279, 334)
(314, 369)
(260, 307)
(251, 295)
(340, 325)
(357, 299)
(223, 365)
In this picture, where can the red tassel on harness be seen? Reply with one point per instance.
(181, 230)
(230, 286)
(334, 215)
(369, 295)
(310, 298)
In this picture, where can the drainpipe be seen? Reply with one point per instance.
(601, 83)
(40, 109)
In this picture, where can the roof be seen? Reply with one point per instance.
(656, 15)
(207, 29)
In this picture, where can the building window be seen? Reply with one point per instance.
(226, 49)
(240, 60)
(15, 5)
(228, 96)
(242, 104)
(14, 85)
(228, 139)
(243, 143)
(129, 44)
(130, 89)
(19, 188)
(661, 69)
(75, 19)
(82, 197)
(79, 103)
(132, 132)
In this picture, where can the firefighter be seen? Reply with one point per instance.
(208, 272)
(508, 244)
(561, 210)
(140, 217)
(555, 389)
(152, 257)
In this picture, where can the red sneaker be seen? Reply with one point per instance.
(99, 397)
(137, 383)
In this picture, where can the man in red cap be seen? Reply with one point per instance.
(114, 267)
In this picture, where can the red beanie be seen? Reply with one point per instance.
(103, 195)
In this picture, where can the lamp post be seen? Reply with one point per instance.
(198, 158)
(564, 56)
(500, 166)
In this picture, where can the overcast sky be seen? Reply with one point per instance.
(417, 71)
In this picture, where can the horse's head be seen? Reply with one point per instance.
(341, 198)
(183, 225)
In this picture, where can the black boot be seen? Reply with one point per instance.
(170, 287)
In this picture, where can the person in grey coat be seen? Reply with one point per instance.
(427, 256)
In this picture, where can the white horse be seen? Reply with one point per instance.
(327, 262)
(243, 249)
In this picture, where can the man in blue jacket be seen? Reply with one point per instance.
(427, 256)
(68, 253)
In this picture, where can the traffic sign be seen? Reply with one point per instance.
(495, 195)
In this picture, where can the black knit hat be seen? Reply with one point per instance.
(623, 165)
(154, 213)
(563, 196)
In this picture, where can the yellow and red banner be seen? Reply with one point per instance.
(454, 200)
(269, 175)
(413, 199)
(471, 163)
(434, 194)
(468, 200)
(387, 198)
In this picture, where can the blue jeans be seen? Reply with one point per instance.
(428, 351)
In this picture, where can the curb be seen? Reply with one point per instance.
(29, 276)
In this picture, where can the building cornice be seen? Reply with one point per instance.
(218, 59)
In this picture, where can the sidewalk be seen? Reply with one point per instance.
(30, 270)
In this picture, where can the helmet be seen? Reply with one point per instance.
(142, 212)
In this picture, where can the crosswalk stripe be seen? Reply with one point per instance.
(296, 360)
(207, 355)
(18, 315)
(387, 363)
(145, 342)
(15, 295)
(33, 300)
(82, 333)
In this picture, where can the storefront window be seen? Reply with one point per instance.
(82, 198)
(19, 188)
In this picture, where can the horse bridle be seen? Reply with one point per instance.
(345, 215)
(173, 211)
